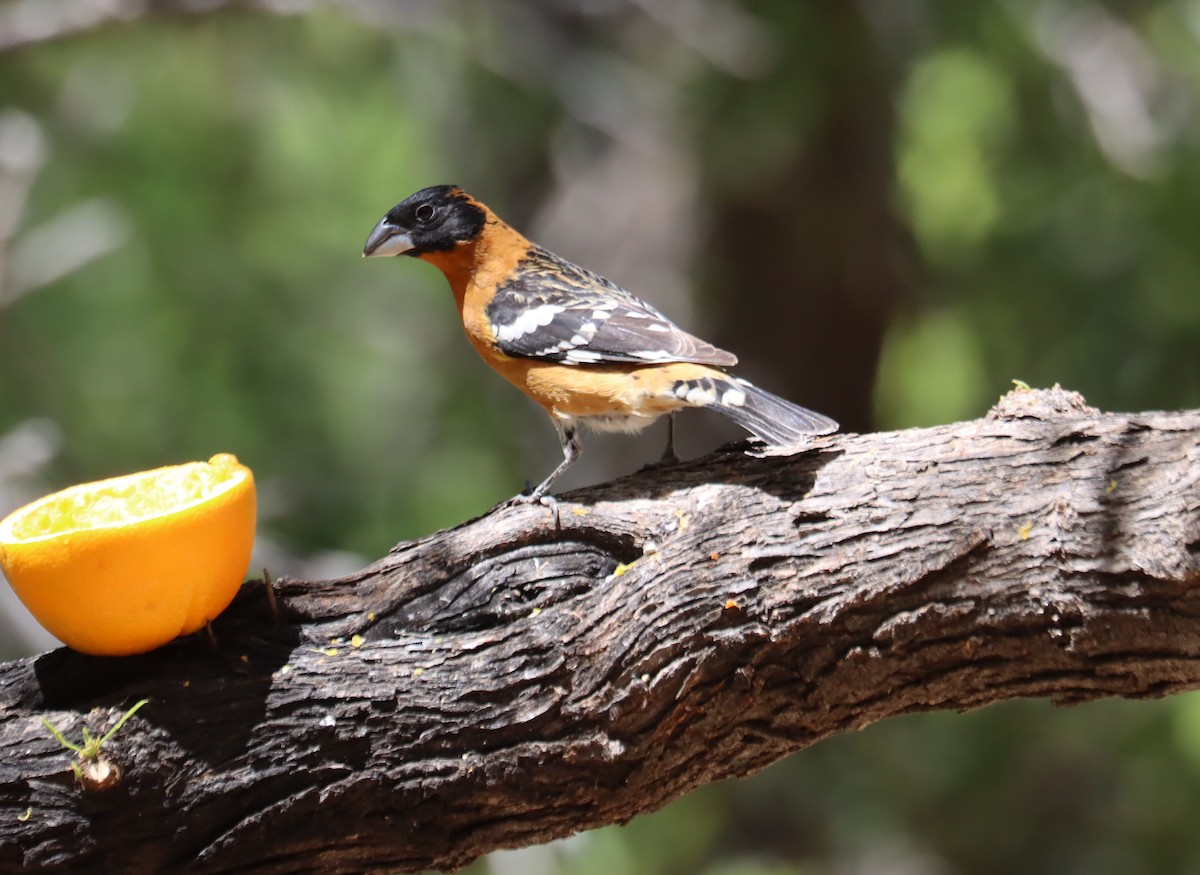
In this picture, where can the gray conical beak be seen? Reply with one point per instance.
(387, 239)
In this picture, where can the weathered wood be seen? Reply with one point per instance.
(518, 681)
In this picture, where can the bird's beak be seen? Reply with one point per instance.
(387, 239)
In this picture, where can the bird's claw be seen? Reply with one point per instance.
(548, 501)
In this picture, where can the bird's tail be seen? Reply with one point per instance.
(768, 417)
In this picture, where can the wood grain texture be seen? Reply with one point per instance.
(518, 681)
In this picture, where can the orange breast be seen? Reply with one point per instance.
(475, 269)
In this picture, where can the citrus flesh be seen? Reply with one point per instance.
(125, 565)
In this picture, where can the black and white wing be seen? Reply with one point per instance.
(555, 310)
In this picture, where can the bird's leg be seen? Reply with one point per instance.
(669, 457)
(568, 435)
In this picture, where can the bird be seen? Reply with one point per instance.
(585, 349)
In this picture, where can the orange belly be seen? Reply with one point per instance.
(638, 394)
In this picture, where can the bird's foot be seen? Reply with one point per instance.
(548, 501)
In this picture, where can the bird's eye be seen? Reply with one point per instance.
(424, 213)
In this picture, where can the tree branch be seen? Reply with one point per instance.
(517, 681)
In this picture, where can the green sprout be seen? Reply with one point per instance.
(90, 749)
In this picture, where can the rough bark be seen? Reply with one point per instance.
(517, 680)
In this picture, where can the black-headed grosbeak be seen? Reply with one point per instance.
(579, 345)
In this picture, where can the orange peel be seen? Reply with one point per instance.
(124, 565)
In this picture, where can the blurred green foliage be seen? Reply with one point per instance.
(1045, 194)
(250, 155)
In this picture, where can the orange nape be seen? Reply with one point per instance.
(124, 565)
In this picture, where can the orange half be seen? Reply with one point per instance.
(125, 565)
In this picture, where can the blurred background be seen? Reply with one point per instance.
(888, 209)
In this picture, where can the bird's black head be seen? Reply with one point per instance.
(434, 219)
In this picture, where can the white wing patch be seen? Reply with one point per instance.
(529, 321)
(583, 356)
